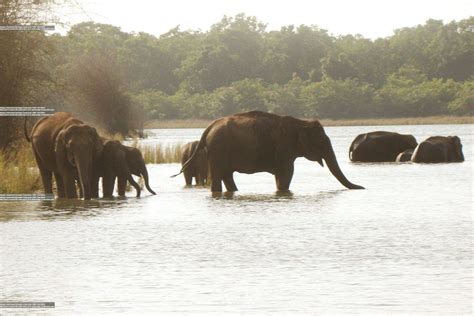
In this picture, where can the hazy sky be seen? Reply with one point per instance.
(370, 18)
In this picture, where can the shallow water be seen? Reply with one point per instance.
(403, 245)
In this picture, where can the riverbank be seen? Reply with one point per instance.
(191, 123)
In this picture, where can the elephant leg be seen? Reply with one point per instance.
(108, 183)
(122, 184)
(230, 184)
(188, 177)
(283, 177)
(95, 187)
(59, 185)
(46, 178)
(70, 186)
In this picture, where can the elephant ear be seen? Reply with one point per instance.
(98, 144)
(60, 148)
(304, 142)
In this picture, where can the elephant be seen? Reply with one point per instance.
(198, 168)
(68, 148)
(405, 155)
(380, 146)
(257, 141)
(119, 161)
(437, 149)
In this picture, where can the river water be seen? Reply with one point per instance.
(403, 245)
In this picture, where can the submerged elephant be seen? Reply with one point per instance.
(257, 141)
(120, 162)
(405, 155)
(68, 148)
(197, 169)
(439, 149)
(380, 146)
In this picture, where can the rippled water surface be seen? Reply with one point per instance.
(403, 245)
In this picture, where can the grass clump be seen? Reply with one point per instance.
(159, 153)
(19, 172)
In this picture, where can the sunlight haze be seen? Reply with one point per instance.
(371, 19)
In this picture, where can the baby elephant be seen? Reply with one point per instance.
(439, 149)
(120, 161)
(198, 168)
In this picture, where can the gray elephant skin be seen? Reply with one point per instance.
(257, 141)
(405, 155)
(68, 148)
(380, 146)
(119, 162)
(197, 169)
(437, 149)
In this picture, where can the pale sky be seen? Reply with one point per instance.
(371, 18)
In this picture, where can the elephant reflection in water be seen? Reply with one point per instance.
(438, 149)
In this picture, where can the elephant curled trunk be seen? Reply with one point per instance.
(331, 161)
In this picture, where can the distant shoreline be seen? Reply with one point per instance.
(191, 123)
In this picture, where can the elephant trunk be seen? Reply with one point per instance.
(84, 170)
(144, 173)
(134, 184)
(333, 166)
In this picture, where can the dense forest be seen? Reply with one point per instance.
(122, 79)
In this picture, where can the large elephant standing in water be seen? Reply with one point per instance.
(68, 148)
(256, 141)
(198, 168)
(439, 149)
(380, 146)
(119, 162)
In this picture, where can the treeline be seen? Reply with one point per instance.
(303, 71)
(120, 79)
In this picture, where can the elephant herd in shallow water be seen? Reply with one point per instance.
(247, 142)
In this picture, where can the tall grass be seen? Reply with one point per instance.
(18, 171)
(158, 153)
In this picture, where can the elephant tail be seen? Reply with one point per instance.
(201, 145)
(26, 130)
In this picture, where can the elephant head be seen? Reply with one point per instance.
(315, 145)
(77, 148)
(137, 165)
(456, 146)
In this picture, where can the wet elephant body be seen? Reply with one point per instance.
(438, 149)
(198, 168)
(68, 148)
(257, 141)
(120, 162)
(405, 155)
(380, 146)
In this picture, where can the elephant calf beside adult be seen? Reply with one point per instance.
(437, 149)
(380, 146)
(68, 148)
(257, 141)
(119, 162)
(197, 169)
